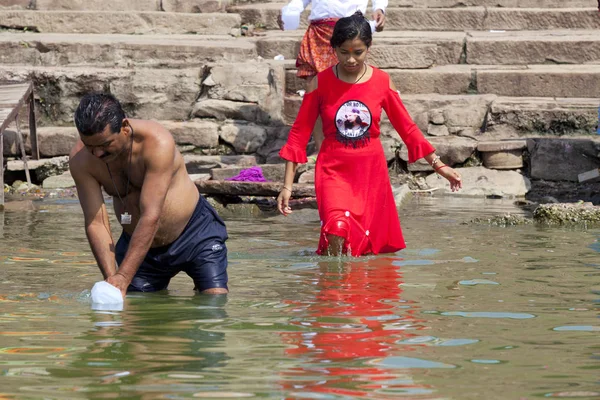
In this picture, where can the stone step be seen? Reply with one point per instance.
(492, 3)
(204, 6)
(157, 51)
(526, 80)
(499, 116)
(148, 22)
(451, 19)
(413, 49)
(392, 49)
(184, 6)
(460, 3)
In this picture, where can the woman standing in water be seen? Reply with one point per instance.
(356, 205)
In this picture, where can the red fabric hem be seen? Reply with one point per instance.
(420, 147)
(361, 248)
(290, 153)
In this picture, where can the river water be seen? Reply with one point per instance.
(466, 312)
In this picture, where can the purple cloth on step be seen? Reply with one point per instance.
(252, 174)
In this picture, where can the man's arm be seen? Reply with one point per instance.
(159, 155)
(97, 227)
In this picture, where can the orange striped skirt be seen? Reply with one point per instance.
(316, 53)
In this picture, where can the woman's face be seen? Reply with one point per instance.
(352, 55)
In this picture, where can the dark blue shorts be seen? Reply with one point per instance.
(199, 251)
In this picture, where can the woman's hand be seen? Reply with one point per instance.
(283, 201)
(379, 17)
(451, 175)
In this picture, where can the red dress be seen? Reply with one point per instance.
(352, 184)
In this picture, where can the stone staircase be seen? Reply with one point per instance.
(468, 70)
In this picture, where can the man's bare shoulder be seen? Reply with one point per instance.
(154, 133)
(78, 158)
(157, 141)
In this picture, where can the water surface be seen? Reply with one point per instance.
(466, 312)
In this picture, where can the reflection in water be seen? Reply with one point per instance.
(350, 333)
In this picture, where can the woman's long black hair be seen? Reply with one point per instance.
(351, 27)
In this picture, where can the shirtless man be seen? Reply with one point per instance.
(168, 226)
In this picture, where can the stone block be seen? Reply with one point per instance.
(490, 3)
(244, 137)
(436, 116)
(195, 132)
(249, 82)
(198, 164)
(437, 130)
(145, 93)
(540, 19)
(563, 159)
(53, 49)
(14, 4)
(541, 81)
(483, 182)
(451, 79)
(62, 181)
(452, 150)
(56, 141)
(307, 176)
(86, 5)
(226, 109)
(524, 48)
(572, 116)
(11, 144)
(195, 6)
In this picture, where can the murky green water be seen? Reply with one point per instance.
(467, 312)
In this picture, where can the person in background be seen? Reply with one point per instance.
(354, 195)
(316, 54)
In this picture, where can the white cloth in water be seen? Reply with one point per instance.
(106, 297)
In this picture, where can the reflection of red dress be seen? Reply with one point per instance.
(353, 190)
(353, 321)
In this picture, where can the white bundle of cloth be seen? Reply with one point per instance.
(106, 297)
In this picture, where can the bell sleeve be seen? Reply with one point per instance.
(295, 148)
(418, 147)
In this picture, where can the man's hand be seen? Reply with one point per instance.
(379, 17)
(119, 281)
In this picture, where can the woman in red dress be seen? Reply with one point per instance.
(356, 205)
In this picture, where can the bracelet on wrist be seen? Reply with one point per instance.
(440, 167)
(287, 188)
(434, 161)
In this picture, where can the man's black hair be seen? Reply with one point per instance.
(95, 111)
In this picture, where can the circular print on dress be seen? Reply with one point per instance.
(352, 121)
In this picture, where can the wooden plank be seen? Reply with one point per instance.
(234, 188)
(1, 171)
(22, 146)
(14, 95)
(33, 139)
